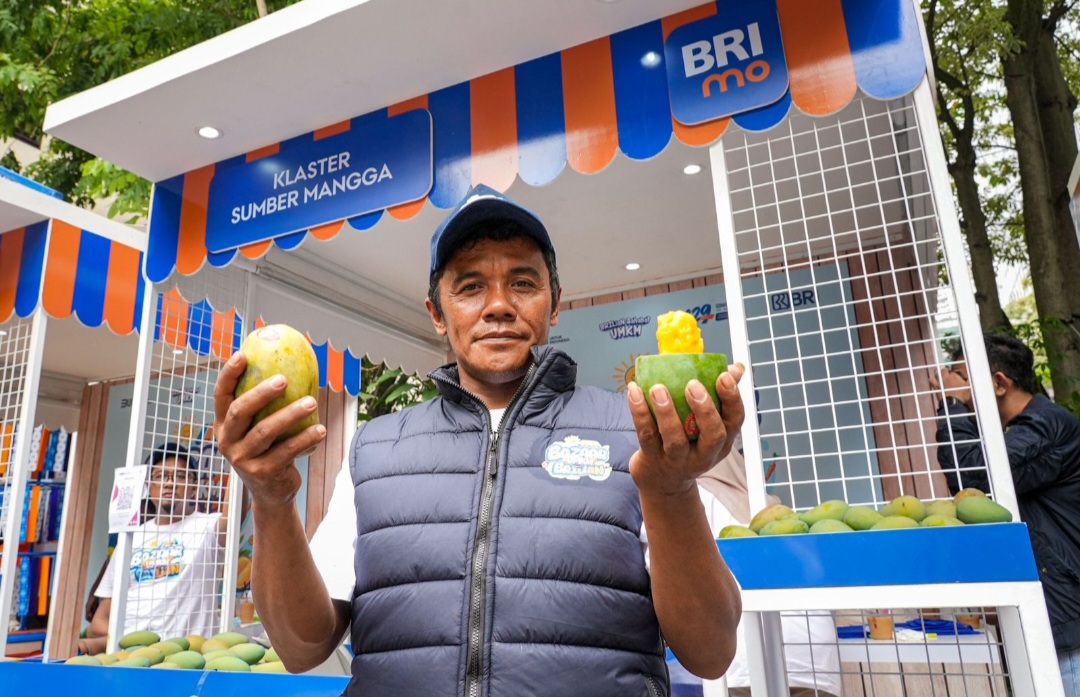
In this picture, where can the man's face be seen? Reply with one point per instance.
(496, 304)
(172, 485)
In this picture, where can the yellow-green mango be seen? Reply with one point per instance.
(271, 656)
(777, 511)
(830, 525)
(785, 526)
(250, 653)
(153, 655)
(182, 642)
(828, 510)
(674, 371)
(107, 659)
(977, 509)
(213, 645)
(216, 653)
(862, 517)
(271, 667)
(163, 664)
(168, 648)
(140, 638)
(939, 521)
(133, 662)
(895, 522)
(195, 642)
(83, 661)
(230, 639)
(188, 659)
(730, 531)
(278, 349)
(228, 664)
(966, 493)
(943, 507)
(907, 506)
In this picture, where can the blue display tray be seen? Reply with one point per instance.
(53, 679)
(991, 553)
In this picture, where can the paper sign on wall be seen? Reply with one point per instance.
(125, 502)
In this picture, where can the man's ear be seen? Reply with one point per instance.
(436, 317)
(555, 310)
(1002, 383)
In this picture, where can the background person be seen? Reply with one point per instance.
(1042, 439)
(176, 557)
(498, 544)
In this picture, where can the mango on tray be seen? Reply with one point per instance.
(680, 359)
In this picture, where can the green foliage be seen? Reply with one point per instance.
(385, 390)
(51, 49)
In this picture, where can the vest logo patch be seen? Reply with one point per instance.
(573, 458)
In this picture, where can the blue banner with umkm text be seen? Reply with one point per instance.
(372, 166)
(726, 64)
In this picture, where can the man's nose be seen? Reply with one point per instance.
(500, 303)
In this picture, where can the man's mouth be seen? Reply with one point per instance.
(501, 336)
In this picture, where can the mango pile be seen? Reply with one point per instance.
(227, 651)
(968, 507)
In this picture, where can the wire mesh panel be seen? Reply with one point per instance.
(178, 566)
(839, 249)
(15, 344)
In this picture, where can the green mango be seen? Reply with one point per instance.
(965, 493)
(230, 639)
(271, 667)
(674, 370)
(938, 521)
(140, 638)
(167, 648)
(777, 511)
(944, 507)
(829, 510)
(182, 642)
(133, 662)
(231, 664)
(249, 653)
(278, 349)
(830, 525)
(271, 656)
(83, 661)
(188, 659)
(155, 656)
(731, 531)
(861, 517)
(171, 666)
(107, 659)
(907, 506)
(978, 509)
(895, 522)
(785, 526)
(218, 653)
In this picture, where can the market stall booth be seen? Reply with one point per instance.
(69, 281)
(772, 167)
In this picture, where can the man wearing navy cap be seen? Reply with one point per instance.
(498, 531)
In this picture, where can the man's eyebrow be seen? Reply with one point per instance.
(464, 276)
(530, 270)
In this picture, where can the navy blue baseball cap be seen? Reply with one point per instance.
(481, 205)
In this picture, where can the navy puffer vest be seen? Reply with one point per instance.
(506, 567)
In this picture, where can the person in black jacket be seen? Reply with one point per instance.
(1043, 442)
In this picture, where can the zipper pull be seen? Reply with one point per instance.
(492, 462)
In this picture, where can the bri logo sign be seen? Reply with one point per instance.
(726, 64)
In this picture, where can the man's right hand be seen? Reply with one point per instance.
(267, 469)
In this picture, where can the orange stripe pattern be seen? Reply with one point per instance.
(11, 246)
(820, 66)
(592, 131)
(62, 262)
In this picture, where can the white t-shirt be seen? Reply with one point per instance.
(175, 577)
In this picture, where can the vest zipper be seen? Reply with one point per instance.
(654, 691)
(473, 664)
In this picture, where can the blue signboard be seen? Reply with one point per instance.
(310, 182)
(726, 64)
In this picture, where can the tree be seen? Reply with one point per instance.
(963, 37)
(385, 390)
(1042, 108)
(50, 49)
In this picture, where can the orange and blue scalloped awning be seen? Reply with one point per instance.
(199, 327)
(578, 108)
(70, 272)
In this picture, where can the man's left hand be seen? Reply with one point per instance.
(667, 462)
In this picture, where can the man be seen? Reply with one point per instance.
(176, 558)
(498, 545)
(1043, 442)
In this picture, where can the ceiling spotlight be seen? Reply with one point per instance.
(177, 352)
(691, 169)
(633, 266)
(209, 132)
(3, 332)
(650, 59)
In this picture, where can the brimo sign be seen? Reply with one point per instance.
(726, 64)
